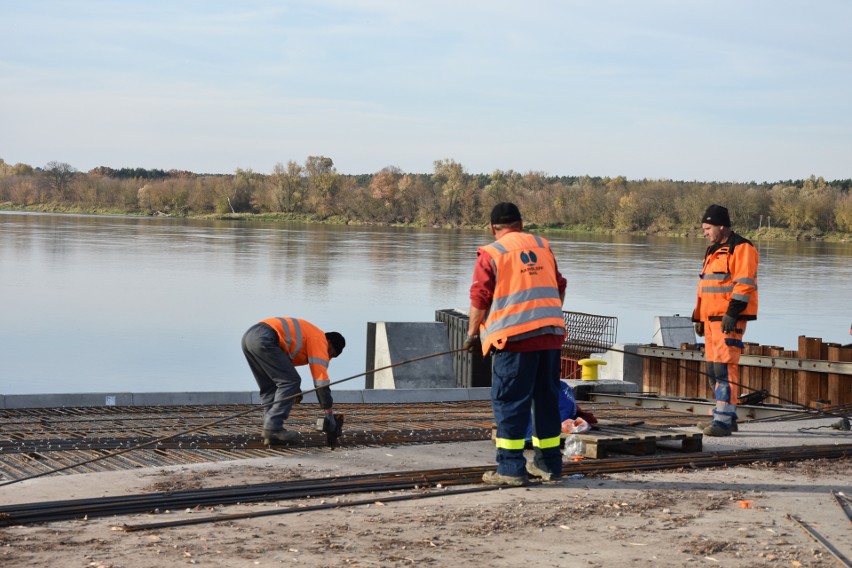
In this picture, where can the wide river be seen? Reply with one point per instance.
(126, 304)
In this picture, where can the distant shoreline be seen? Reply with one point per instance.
(771, 234)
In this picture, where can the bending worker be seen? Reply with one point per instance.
(516, 313)
(274, 348)
(727, 299)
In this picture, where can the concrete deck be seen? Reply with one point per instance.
(370, 396)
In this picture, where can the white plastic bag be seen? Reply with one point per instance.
(575, 426)
(574, 446)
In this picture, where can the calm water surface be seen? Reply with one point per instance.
(99, 304)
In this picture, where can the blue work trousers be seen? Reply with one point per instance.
(523, 384)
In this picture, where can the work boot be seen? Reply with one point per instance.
(275, 437)
(716, 429)
(707, 423)
(536, 471)
(494, 478)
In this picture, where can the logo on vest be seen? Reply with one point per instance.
(531, 260)
(528, 259)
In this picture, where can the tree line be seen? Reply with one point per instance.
(448, 196)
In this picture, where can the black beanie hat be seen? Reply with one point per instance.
(716, 215)
(336, 340)
(505, 213)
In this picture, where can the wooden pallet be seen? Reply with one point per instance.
(635, 440)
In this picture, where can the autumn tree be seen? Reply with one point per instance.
(58, 177)
(449, 180)
(385, 190)
(819, 200)
(287, 187)
(235, 194)
(322, 182)
(843, 213)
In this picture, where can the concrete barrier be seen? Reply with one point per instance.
(392, 343)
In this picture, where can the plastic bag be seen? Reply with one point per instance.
(574, 446)
(567, 407)
(567, 403)
(575, 426)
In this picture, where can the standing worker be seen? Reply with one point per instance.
(274, 348)
(516, 313)
(727, 299)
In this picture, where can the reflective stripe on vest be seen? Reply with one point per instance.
(292, 342)
(296, 338)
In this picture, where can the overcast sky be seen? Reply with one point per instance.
(723, 90)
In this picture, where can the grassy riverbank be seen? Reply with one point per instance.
(764, 233)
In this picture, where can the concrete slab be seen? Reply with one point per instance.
(67, 400)
(190, 398)
(396, 342)
(377, 396)
(671, 331)
(605, 386)
(623, 363)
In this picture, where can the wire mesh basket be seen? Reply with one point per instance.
(587, 334)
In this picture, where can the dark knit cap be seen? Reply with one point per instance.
(336, 340)
(505, 213)
(716, 215)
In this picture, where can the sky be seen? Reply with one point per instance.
(721, 90)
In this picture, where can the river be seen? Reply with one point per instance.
(130, 304)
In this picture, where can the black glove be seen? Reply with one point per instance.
(472, 344)
(324, 397)
(729, 324)
(699, 328)
(329, 423)
(332, 425)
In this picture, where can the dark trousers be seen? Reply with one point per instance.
(523, 384)
(274, 372)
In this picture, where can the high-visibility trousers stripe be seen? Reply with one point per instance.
(508, 444)
(545, 443)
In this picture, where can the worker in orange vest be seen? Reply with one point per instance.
(274, 348)
(727, 299)
(516, 314)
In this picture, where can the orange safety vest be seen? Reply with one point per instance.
(305, 344)
(729, 273)
(526, 293)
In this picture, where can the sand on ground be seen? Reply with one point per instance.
(727, 517)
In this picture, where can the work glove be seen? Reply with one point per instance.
(329, 423)
(472, 344)
(332, 425)
(699, 328)
(729, 324)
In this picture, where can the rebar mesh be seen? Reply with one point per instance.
(587, 334)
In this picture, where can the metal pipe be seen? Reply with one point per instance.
(821, 540)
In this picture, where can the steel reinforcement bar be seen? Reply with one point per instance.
(28, 513)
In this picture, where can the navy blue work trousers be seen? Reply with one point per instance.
(524, 384)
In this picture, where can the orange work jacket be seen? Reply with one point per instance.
(526, 293)
(305, 344)
(729, 273)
